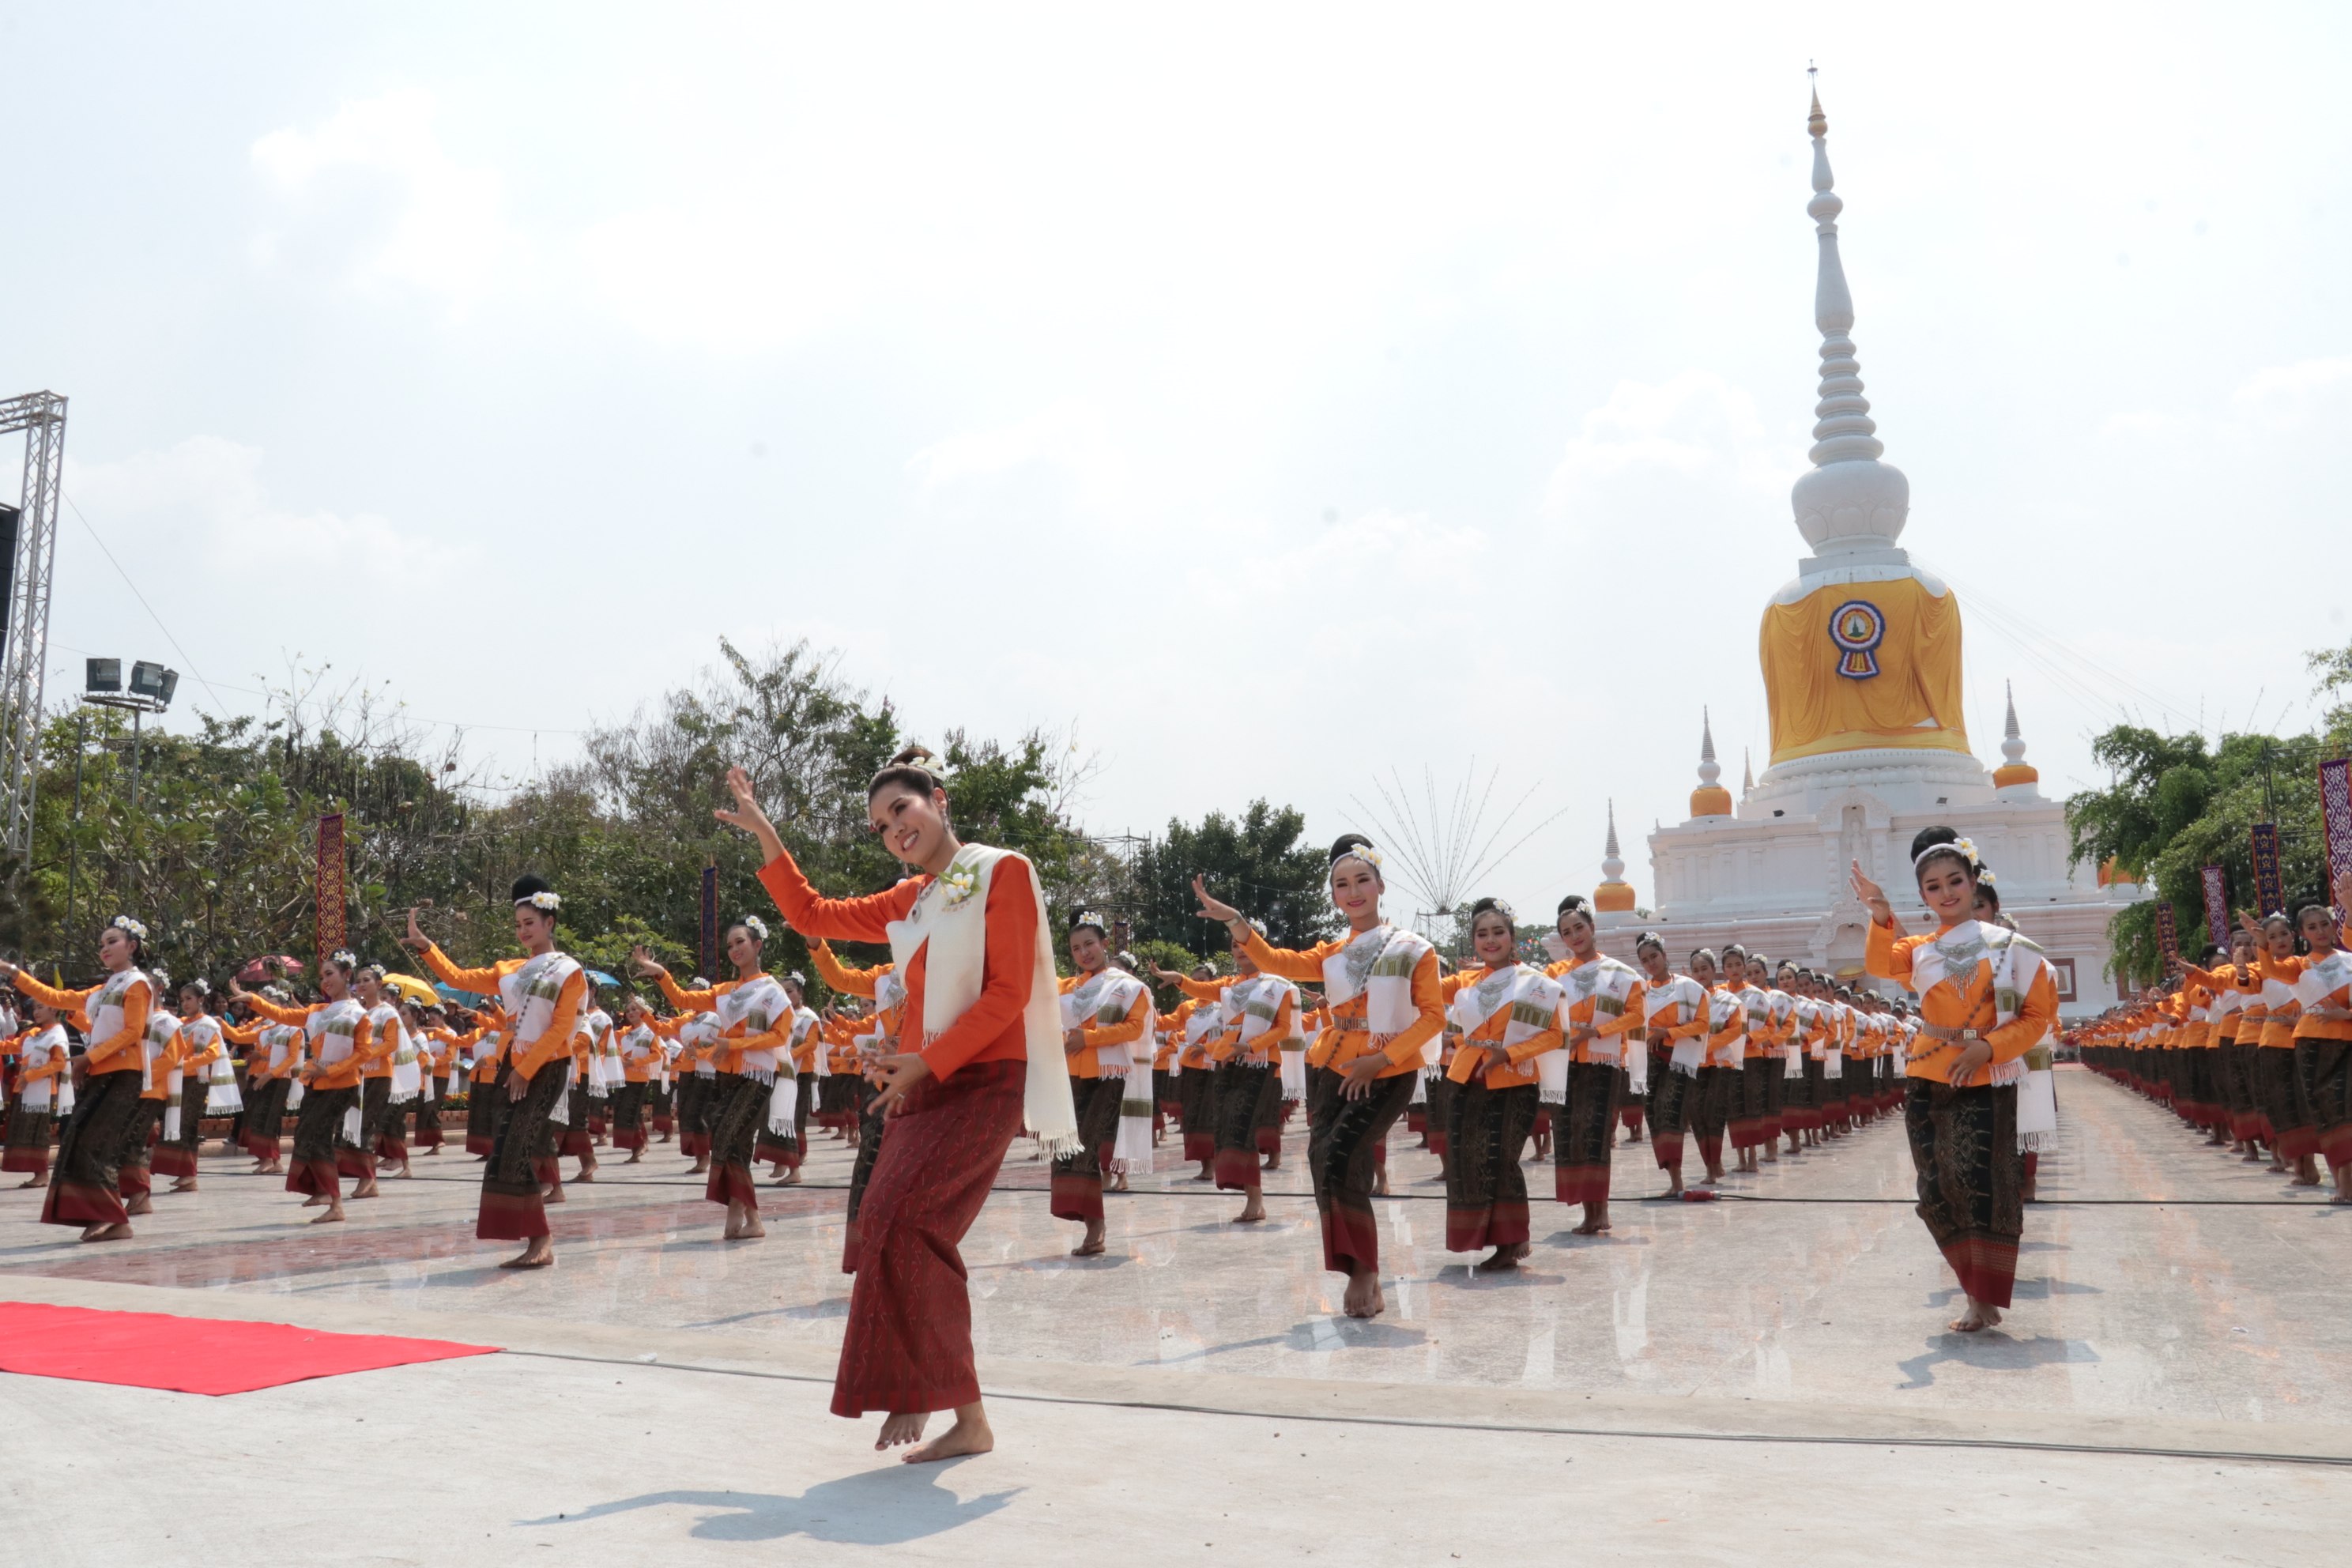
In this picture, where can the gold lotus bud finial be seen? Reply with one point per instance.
(1817, 125)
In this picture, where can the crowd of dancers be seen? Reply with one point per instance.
(933, 1064)
(2256, 1050)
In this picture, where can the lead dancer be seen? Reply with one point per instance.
(543, 995)
(1985, 999)
(971, 944)
(1382, 982)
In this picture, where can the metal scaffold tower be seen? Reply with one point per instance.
(29, 553)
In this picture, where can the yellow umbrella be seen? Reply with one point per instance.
(413, 990)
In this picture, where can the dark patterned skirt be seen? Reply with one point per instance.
(1196, 1103)
(1249, 1099)
(1582, 1134)
(1077, 1179)
(870, 1126)
(1440, 1092)
(265, 1118)
(482, 1095)
(733, 1134)
(139, 1148)
(1776, 1096)
(2327, 1066)
(1344, 1142)
(1709, 1107)
(87, 1189)
(318, 1129)
(692, 1087)
(629, 1116)
(2238, 1082)
(358, 1158)
(29, 1137)
(1486, 1189)
(511, 1208)
(2286, 1100)
(1669, 1109)
(660, 1101)
(1164, 1094)
(576, 1139)
(1964, 1152)
(1746, 1116)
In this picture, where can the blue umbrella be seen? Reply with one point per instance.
(601, 978)
(450, 992)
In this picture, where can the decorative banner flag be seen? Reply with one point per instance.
(326, 890)
(2270, 886)
(2336, 813)
(2167, 932)
(2216, 906)
(711, 920)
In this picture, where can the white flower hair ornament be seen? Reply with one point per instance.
(343, 958)
(125, 923)
(1986, 877)
(201, 986)
(752, 923)
(1964, 847)
(548, 902)
(1364, 852)
(1089, 918)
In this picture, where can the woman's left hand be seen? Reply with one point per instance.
(1968, 1063)
(895, 1076)
(516, 1085)
(1360, 1073)
(1073, 1041)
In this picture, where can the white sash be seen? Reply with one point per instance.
(1532, 1000)
(1669, 1007)
(1954, 955)
(1608, 984)
(42, 1094)
(950, 924)
(1378, 964)
(1102, 1000)
(755, 1006)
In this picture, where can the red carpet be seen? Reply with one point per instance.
(194, 1355)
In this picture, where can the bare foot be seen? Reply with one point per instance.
(634, 1157)
(1255, 1209)
(700, 1167)
(1972, 1321)
(1504, 1257)
(540, 1254)
(366, 1189)
(791, 1178)
(316, 1200)
(1675, 1191)
(118, 1231)
(141, 1205)
(1205, 1174)
(899, 1429)
(1118, 1182)
(1363, 1300)
(1380, 1182)
(969, 1435)
(752, 1230)
(185, 1185)
(334, 1215)
(403, 1173)
(1596, 1220)
(34, 1181)
(1092, 1247)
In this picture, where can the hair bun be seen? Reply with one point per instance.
(916, 756)
(529, 883)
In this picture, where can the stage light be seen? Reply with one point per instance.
(104, 675)
(152, 681)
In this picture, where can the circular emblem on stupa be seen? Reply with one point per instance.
(1857, 627)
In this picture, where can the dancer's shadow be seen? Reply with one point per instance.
(885, 1507)
(1992, 1350)
(1350, 1334)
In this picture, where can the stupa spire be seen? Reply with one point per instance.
(1746, 771)
(2014, 770)
(1850, 501)
(1711, 799)
(1614, 894)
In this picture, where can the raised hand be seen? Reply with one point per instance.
(642, 963)
(415, 940)
(1224, 914)
(1872, 896)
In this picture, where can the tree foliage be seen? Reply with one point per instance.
(217, 854)
(1255, 864)
(2177, 804)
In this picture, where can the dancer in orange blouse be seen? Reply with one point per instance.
(982, 1010)
(542, 995)
(1382, 984)
(1985, 998)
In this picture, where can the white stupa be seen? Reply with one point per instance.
(1862, 671)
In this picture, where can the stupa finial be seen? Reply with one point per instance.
(1850, 501)
(2013, 769)
(1711, 799)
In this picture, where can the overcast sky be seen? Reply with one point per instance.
(1279, 395)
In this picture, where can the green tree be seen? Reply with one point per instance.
(1255, 864)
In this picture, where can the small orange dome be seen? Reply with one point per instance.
(1613, 898)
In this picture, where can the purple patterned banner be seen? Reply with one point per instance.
(2270, 886)
(2216, 906)
(709, 911)
(2167, 932)
(2335, 812)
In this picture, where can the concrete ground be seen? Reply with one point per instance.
(1767, 1371)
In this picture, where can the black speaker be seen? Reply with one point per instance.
(9, 517)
